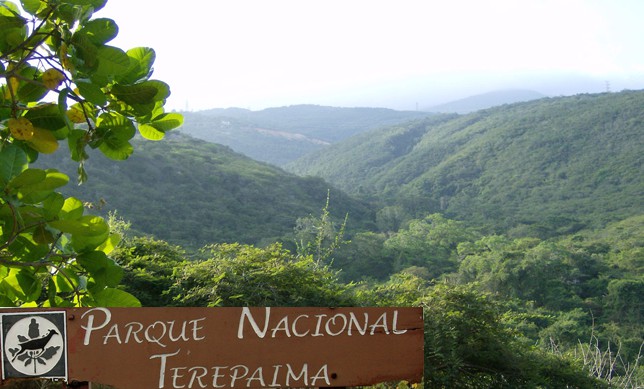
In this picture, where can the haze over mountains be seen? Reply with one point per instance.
(282, 134)
(539, 168)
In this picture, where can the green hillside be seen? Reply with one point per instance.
(280, 135)
(192, 192)
(544, 167)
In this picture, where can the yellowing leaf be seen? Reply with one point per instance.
(43, 141)
(75, 116)
(12, 86)
(52, 78)
(21, 128)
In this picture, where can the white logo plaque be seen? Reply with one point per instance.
(34, 345)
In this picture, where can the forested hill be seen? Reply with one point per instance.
(280, 135)
(191, 192)
(566, 162)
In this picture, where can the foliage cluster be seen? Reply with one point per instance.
(61, 81)
(499, 311)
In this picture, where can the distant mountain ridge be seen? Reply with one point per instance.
(283, 134)
(572, 161)
(486, 100)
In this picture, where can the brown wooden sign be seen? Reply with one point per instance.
(263, 347)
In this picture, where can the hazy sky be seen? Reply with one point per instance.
(389, 53)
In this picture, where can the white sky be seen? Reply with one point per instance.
(392, 53)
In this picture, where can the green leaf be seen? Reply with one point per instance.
(25, 249)
(35, 192)
(163, 89)
(141, 61)
(103, 270)
(42, 235)
(31, 91)
(13, 161)
(87, 52)
(77, 142)
(149, 132)
(112, 61)
(111, 297)
(12, 28)
(87, 225)
(65, 281)
(31, 6)
(135, 94)
(72, 209)
(115, 126)
(62, 107)
(88, 232)
(26, 178)
(52, 205)
(116, 131)
(24, 284)
(110, 244)
(167, 121)
(46, 116)
(99, 31)
(117, 151)
(91, 92)
(95, 4)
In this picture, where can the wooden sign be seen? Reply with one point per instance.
(263, 347)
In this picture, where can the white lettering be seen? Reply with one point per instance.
(112, 333)
(158, 332)
(395, 330)
(182, 334)
(322, 374)
(130, 332)
(380, 323)
(194, 371)
(216, 376)
(151, 328)
(291, 374)
(319, 325)
(354, 320)
(282, 325)
(235, 376)
(90, 323)
(283, 375)
(246, 314)
(275, 375)
(258, 375)
(196, 328)
(176, 376)
(294, 329)
(332, 321)
(163, 358)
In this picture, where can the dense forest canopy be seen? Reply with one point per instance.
(541, 168)
(191, 192)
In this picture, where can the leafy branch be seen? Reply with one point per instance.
(104, 95)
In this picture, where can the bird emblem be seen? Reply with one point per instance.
(34, 344)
